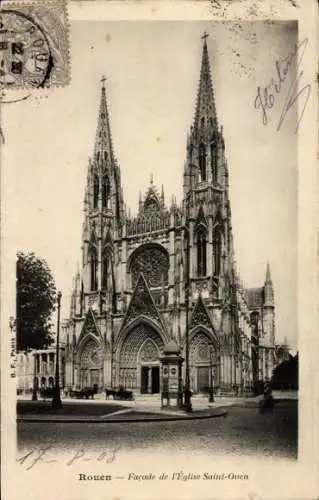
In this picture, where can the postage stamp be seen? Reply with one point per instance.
(34, 48)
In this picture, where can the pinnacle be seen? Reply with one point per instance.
(103, 142)
(205, 106)
(268, 275)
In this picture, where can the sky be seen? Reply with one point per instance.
(152, 70)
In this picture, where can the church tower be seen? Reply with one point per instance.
(206, 191)
(165, 274)
(89, 336)
(103, 214)
(269, 309)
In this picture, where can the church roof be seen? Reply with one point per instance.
(255, 297)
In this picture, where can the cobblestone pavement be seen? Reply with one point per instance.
(243, 432)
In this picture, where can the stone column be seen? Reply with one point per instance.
(192, 253)
(221, 371)
(107, 372)
(210, 248)
(171, 271)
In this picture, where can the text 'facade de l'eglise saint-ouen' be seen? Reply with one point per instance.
(129, 299)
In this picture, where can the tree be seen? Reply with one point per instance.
(36, 296)
(285, 375)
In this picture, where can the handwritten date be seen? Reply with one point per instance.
(42, 455)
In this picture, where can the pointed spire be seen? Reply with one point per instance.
(103, 142)
(268, 289)
(205, 107)
(162, 196)
(268, 276)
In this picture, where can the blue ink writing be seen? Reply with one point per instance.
(266, 96)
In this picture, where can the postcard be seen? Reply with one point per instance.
(159, 253)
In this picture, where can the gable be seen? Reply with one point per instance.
(89, 326)
(200, 315)
(142, 304)
(201, 219)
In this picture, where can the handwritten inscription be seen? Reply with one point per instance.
(266, 97)
(42, 455)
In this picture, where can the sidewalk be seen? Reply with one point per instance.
(99, 411)
(143, 408)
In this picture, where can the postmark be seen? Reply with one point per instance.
(34, 51)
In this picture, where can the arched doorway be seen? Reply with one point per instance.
(139, 365)
(203, 363)
(91, 365)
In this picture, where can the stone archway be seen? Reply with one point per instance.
(91, 365)
(203, 362)
(138, 359)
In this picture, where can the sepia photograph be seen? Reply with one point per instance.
(154, 234)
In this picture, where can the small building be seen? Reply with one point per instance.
(37, 366)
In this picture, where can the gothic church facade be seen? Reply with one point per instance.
(129, 299)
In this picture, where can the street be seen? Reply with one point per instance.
(243, 432)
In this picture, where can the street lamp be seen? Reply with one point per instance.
(56, 401)
(211, 378)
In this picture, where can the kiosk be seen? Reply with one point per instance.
(171, 375)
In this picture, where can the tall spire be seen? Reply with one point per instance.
(205, 106)
(103, 141)
(268, 276)
(268, 289)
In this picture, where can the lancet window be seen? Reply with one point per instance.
(105, 268)
(201, 251)
(93, 268)
(213, 155)
(202, 161)
(95, 191)
(105, 191)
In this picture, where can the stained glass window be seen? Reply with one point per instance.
(153, 262)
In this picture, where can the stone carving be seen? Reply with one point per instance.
(89, 326)
(140, 337)
(200, 349)
(149, 351)
(91, 356)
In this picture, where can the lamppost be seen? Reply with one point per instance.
(56, 401)
(211, 378)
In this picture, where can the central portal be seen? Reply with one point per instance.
(150, 380)
(139, 360)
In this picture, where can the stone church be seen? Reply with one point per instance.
(129, 298)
